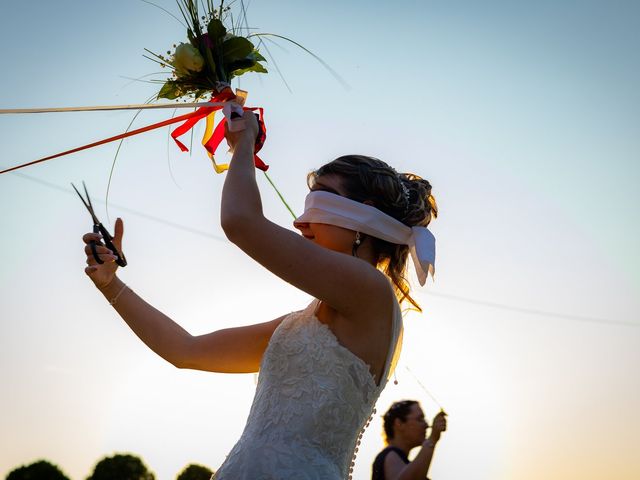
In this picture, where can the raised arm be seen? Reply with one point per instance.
(346, 283)
(232, 350)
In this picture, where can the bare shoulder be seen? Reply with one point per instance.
(365, 327)
(373, 296)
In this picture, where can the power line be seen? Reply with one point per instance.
(175, 225)
(531, 311)
(456, 298)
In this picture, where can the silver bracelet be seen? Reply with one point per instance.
(115, 299)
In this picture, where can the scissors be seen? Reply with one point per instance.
(99, 228)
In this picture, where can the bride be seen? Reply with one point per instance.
(322, 368)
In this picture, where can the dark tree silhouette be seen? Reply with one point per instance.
(195, 472)
(40, 470)
(121, 467)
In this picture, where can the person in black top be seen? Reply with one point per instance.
(406, 428)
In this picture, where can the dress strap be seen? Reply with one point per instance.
(314, 305)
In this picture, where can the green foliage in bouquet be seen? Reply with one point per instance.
(213, 56)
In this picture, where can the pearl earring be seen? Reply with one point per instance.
(356, 244)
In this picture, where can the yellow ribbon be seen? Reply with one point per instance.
(208, 131)
(241, 98)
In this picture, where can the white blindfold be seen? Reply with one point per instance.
(332, 209)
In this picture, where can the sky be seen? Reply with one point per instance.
(523, 116)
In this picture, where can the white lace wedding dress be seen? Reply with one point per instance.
(311, 405)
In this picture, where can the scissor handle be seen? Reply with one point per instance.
(93, 245)
(108, 242)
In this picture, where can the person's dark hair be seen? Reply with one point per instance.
(398, 410)
(404, 196)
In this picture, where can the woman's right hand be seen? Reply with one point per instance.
(438, 426)
(102, 274)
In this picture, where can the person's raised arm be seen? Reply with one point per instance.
(346, 283)
(396, 469)
(233, 350)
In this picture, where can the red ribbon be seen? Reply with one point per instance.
(190, 119)
(218, 133)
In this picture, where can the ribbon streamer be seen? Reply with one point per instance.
(190, 119)
(141, 106)
(208, 132)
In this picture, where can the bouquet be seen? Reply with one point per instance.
(216, 53)
(213, 56)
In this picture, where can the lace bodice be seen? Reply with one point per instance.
(312, 401)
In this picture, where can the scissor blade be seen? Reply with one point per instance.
(87, 205)
(95, 219)
(86, 192)
(81, 198)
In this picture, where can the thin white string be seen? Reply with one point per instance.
(144, 106)
(424, 388)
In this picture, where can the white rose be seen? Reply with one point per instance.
(187, 59)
